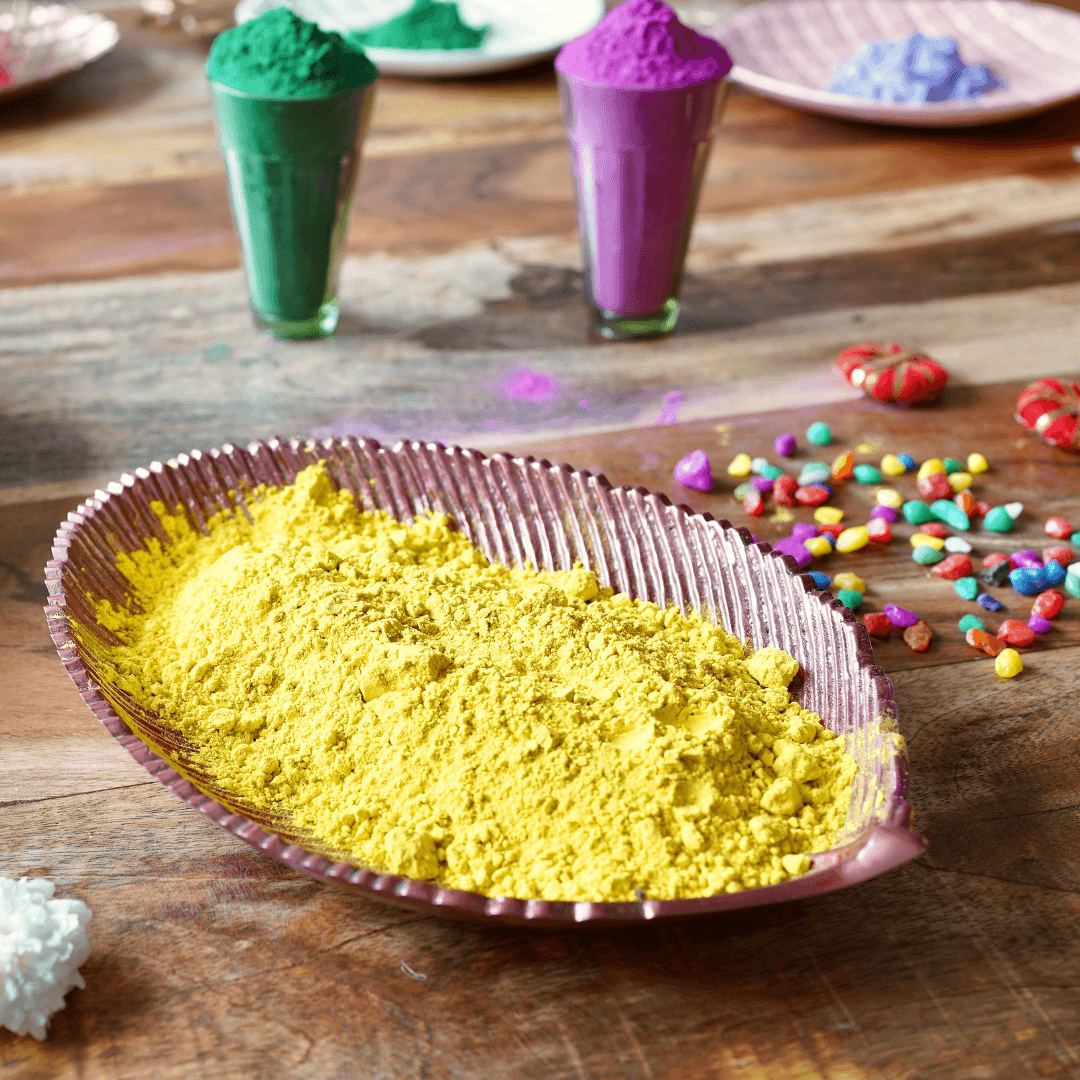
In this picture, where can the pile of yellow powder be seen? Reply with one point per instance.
(419, 710)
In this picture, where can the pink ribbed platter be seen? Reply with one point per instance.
(788, 51)
(516, 510)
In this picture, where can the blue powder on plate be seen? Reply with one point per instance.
(913, 71)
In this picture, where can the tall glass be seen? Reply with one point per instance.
(639, 157)
(292, 167)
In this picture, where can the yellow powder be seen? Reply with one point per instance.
(421, 711)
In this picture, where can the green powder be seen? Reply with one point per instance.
(428, 24)
(280, 55)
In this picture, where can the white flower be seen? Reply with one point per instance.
(42, 943)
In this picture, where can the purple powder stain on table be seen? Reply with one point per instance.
(899, 616)
(694, 471)
(669, 409)
(524, 384)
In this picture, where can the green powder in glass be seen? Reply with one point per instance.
(280, 55)
(428, 24)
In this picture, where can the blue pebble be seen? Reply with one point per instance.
(1055, 572)
(1028, 580)
(820, 580)
(985, 600)
(906, 460)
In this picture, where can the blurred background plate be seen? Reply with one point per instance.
(788, 51)
(522, 31)
(41, 44)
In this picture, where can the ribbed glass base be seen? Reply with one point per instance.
(612, 326)
(321, 324)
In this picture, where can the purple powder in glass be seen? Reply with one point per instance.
(796, 549)
(899, 616)
(886, 513)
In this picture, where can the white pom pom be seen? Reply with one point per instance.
(42, 943)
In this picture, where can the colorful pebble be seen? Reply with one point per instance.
(831, 530)
(906, 460)
(917, 637)
(819, 434)
(1008, 664)
(983, 641)
(796, 549)
(852, 539)
(1048, 604)
(743, 490)
(976, 464)
(1075, 539)
(1016, 633)
(997, 574)
(877, 624)
(1060, 553)
(771, 471)
(1072, 585)
(843, 466)
(1027, 557)
(1014, 509)
(980, 509)
(920, 538)
(818, 546)
(828, 515)
(990, 603)
(925, 555)
(740, 465)
(1028, 580)
(1039, 624)
(946, 510)
(867, 474)
(890, 498)
(762, 484)
(998, 520)
(935, 486)
(886, 513)
(1055, 573)
(848, 580)
(971, 622)
(935, 528)
(812, 495)
(899, 616)
(802, 530)
(891, 465)
(783, 490)
(957, 543)
(994, 557)
(785, 445)
(753, 503)
(961, 481)
(757, 464)
(966, 501)
(951, 465)
(820, 580)
(1058, 528)
(814, 472)
(850, 598)
(917, 512)
(880, 530)
(967, 588)
(931, 467)
(694, 471)
(953, 568)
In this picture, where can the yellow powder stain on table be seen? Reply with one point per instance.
(422, 711)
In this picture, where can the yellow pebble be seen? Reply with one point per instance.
(740, 465)
(1008, 664)
(818, 546)
(928, 468)
(891, 465)
(848, 580)
(853, 539)
(961, 481)
(888, 497)
(977, 464)
(828, 515)
(931, 541)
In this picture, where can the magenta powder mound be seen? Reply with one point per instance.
(642, 45)
(694, 471)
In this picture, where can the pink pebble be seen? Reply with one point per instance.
(1039, 624)
(886, 513)
(802, 531)
(785, 445)
(899, 616)
(694, 471)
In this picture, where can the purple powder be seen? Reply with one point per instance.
(641, 44)
(1039, 624)
(802, 531)
(669, 409)
(886, 513)
(899, 616)
(796, 549)
(785, 445)
(694, 471)
(527, 385)
(762, 483)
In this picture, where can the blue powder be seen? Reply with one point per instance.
(913, 71)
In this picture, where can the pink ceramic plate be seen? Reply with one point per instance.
(788, 51)
(515, 510)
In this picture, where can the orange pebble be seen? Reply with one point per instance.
(917, 637)
(966, 501)
(843, 466)
(983, 641)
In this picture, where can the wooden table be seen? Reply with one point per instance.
(125, 337)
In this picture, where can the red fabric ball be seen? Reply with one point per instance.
(1050, 408)
(892, 373)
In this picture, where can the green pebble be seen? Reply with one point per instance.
(771, 472)
(947, 511)
(850, 598)
(917, 512)
(998, 520)
(969, 622)
(952, 465)
(1072, 585)
(819, 434)
(1075, 538)
(925, 555)
(743, 490)
(967, 587)
(867, 474)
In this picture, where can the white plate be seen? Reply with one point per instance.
(40, 44)
(522, 31)
(788, 50)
